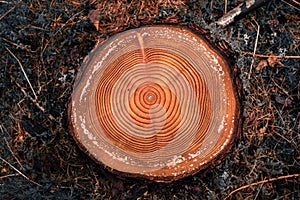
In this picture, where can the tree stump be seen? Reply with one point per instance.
(155, 102)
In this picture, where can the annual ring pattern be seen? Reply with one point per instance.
(156, 102)
(154, 107)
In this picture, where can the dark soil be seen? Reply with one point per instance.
(47, 41)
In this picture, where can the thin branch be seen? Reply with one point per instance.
(13, 154)
(6, 13)
(281, 88)
(294, 4)
(32, 99)
(8, 175)
(261, 182)
(269, 56)
(5, 2)
(26, 77)
(2, 128)
(255, 47)
(240, 10)
(12, 43)
(3, 160)
(35, 102)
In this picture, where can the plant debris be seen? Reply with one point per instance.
(49, 39)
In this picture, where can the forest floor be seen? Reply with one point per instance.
(42, 45)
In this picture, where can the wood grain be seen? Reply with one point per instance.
(155, 102)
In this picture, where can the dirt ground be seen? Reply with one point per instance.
(42, 45)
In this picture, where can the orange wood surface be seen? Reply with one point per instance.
(155, 102)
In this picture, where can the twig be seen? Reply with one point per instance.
(12, 43)
(60, 29)
(294, 4)
(294, 145)
(26, 77)
(225, 7)
(35, 102)
(13, 154)
(261, 182)
(258, 192)
(6, 13)
(239, 11)
(255, 47)
(32, 99)
(2, 128)
(281, 88)
(5, 2)
(8, 175)
(269, 56)
(3, 160)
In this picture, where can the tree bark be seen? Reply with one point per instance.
(156, 102)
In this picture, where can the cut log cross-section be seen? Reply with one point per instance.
(155, 102)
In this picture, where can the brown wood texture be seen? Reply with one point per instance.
(155, 102)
